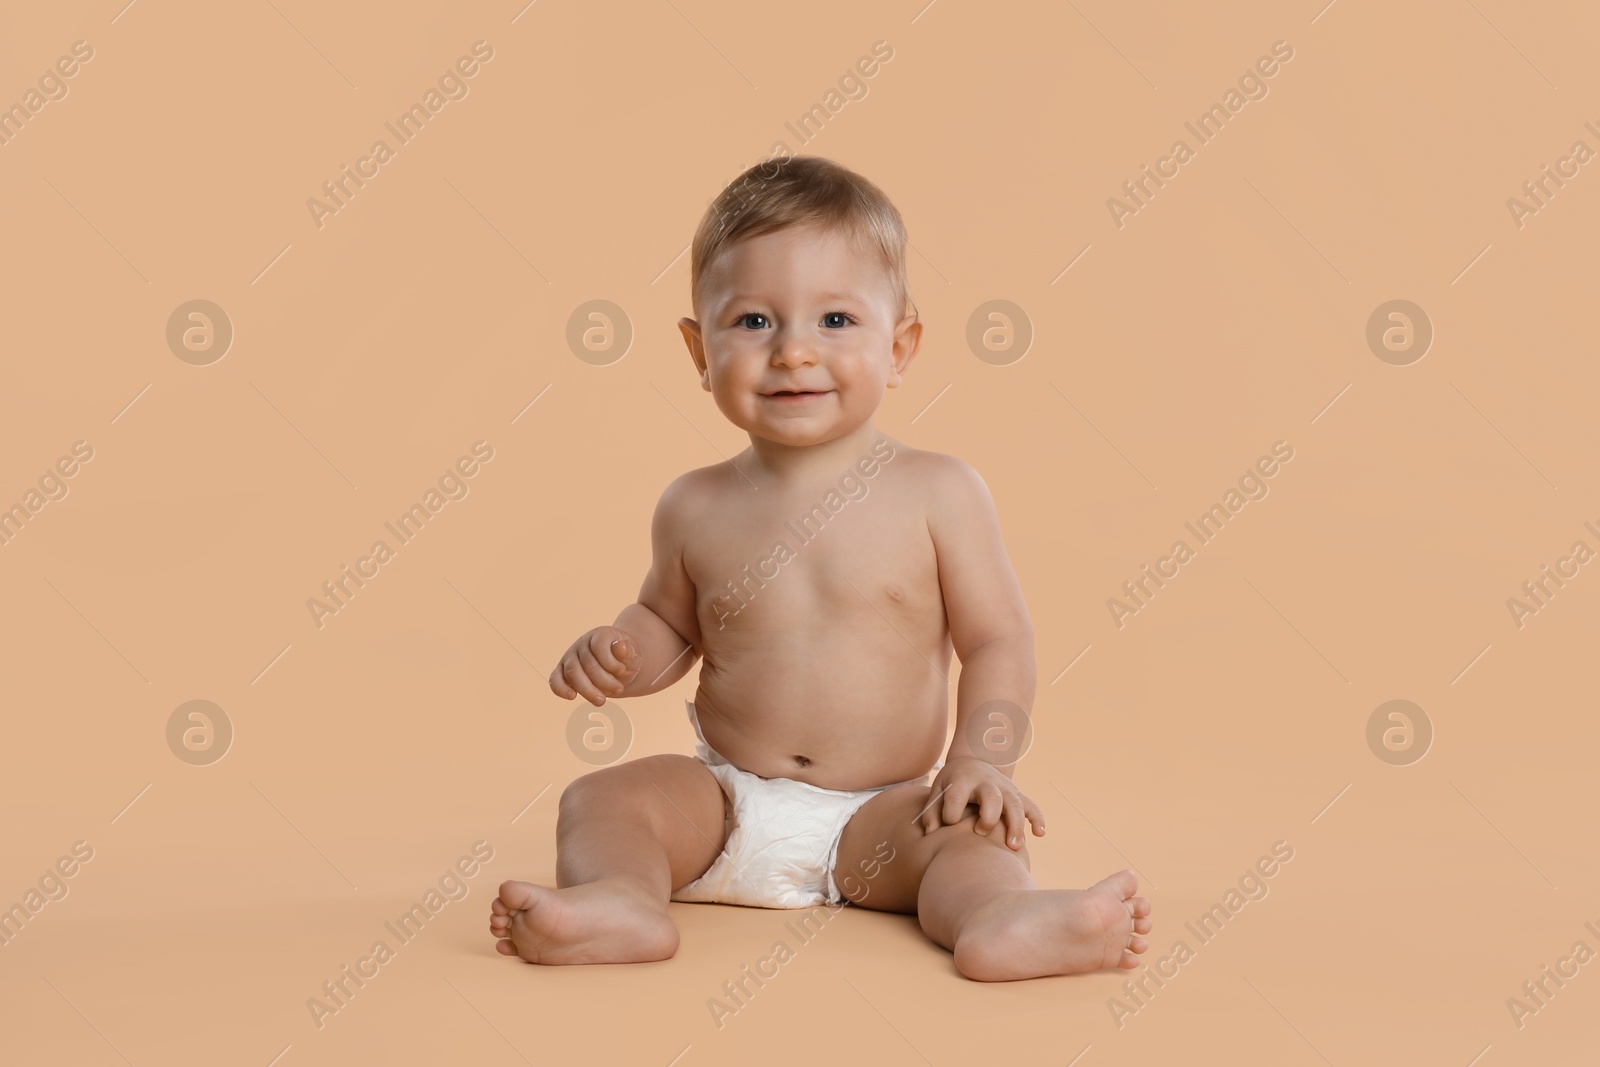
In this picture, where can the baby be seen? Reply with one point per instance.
(825, 574)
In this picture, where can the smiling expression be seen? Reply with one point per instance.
(800, 336)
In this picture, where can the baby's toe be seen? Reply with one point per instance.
(1140, 906)
(1137, 944)
(1128, 961)
(1124, 884)
(516, 896)
(1142, 926)
(505, 948)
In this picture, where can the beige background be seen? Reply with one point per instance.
(1229, 313)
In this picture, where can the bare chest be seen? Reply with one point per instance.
(797, 566)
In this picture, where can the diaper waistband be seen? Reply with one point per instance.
(711, 756)
(702, 748)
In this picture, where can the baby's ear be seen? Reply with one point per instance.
(697, 351)
(907, 340)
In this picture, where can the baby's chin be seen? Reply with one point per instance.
(797, 427)
(802, 437)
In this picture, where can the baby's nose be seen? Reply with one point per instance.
(794, 350)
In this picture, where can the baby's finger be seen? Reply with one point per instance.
(559, 686)
(991, 805)
(572, 671)
(931, 818)
(601, 677)
(925, 818)
(600, 645)
(1035, 816)
(627, 650)
(1014, 825)
(954, 805)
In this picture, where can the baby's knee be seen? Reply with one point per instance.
(581, 789)
(592, 790)
(625, 785)
(964, 834)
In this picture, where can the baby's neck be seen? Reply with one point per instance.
(801, 464)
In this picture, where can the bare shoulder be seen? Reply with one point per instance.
(952, 487)
(691, 492)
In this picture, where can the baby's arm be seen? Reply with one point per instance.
(993, 637)
(644, 651)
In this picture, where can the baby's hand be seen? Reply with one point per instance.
(601, 663)
(967, 779)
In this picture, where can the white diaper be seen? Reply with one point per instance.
(782, 837)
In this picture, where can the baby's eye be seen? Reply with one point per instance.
(744, 320)
(844, 319)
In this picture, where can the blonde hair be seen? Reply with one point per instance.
(796, 191)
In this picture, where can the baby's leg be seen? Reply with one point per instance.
(975, 896)
(625, 838)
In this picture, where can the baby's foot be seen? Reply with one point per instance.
(1033, 932)
(598, 922)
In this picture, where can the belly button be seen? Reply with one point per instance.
(802, 761)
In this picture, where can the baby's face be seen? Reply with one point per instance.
(800, 311)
